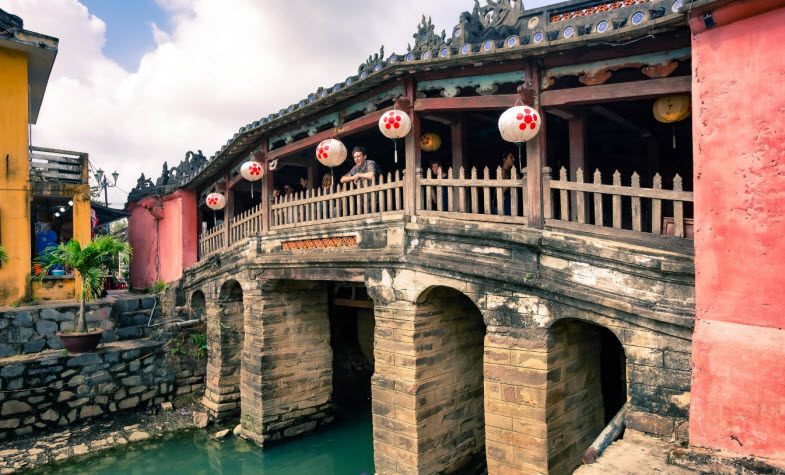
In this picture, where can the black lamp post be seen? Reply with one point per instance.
(104, 183)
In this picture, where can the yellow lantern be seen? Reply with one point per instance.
(430, 142)
(672, 108)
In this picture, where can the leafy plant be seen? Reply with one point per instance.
(200, 341)
(90, 262)
(160, 287)
(3, 255)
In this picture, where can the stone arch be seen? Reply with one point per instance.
(225, 338)
(428, 385)
(287, 362)
(198, 304)
(586, 386)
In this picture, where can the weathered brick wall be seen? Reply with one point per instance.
(574, 399)
(287, 361)
(516, 376)
(225, 336)
(427, 389)
(49, 388)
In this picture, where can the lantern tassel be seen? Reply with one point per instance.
(251, 190)
(674, 136)
(520, 166)
(395, 141)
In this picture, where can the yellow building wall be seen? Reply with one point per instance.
(14, 177)
(54, 289)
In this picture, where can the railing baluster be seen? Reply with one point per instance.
(461, 191)
(398, 191)
(390, 191)
(656, 207)
(564, 197)
(428, 191)
(525, 192)
(580, 197)
(450, 192)
(373, 197)
(486, 192)
(678, 209)
(598, 218)
(617, 201)
(474, 198)
(499, 191)
(636, 203)
(513, 192)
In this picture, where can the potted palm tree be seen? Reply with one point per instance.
(91, 263)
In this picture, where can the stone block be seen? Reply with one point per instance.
(128, 403)
(109, 337)
(14, 407)
(6, 350)
(148, 302)
(9, 423)
(141, 319)
(90, 411)
(23, 319)
(50, 415)
(34, 346)
(130, 333)
(84, 359)
(127, 305)
(67, 326)
(12, 371)
(650, 423)
(200, 420)
(19, 335)
(54, 343)
(52, 314)
(45, 327)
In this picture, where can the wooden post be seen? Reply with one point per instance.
(413, 152)
(267, 187)
(228, 211)
(577, 138)
(535, 160)
(458, 141)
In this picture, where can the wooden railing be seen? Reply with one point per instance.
(212, 241)
(342, 203)
(503, 199)
(246, 223)
(654, 210)
(61, 166)
(500, 199)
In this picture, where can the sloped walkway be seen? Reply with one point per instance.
(637, 454)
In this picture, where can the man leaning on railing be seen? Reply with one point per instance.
(364, 171)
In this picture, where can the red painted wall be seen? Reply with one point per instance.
(738, 383)
(172, 236)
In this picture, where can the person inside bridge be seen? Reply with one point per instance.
(438, 172)
(364, 171)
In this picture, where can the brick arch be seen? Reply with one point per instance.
(225, 340)
(586, 386)
(198, 303)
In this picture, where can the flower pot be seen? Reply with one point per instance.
(81, 342)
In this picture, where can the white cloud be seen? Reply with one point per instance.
(223, 65)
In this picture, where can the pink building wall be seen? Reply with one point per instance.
(738, 381)
(162, 233)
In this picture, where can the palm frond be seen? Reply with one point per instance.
(3, 255)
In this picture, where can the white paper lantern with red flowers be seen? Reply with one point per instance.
(252, 171)
(519, 124)
(394, 125)
(216, 201)
(331, 152)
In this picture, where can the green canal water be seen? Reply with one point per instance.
(345, 447)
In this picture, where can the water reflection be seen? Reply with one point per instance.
(346, 447)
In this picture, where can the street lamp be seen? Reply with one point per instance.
(104, 183)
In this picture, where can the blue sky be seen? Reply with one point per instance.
(128, 32)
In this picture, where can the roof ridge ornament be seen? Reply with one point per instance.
(425, 39)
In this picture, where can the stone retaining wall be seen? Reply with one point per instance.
(49, 388)
(33, 329)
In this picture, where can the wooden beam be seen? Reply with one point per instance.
(458, 148)
(413, 152)
(498, 102)
(636, 90)
(535, 161)
(577, 139)
(353, 126)
(267, 186)
(353, 303)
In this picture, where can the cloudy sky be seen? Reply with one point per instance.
(140, 82)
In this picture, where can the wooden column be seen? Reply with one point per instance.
(413, 152)
(535, 160)
(458, 149)
(577, 138)
(267, 187)
(228, 210)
